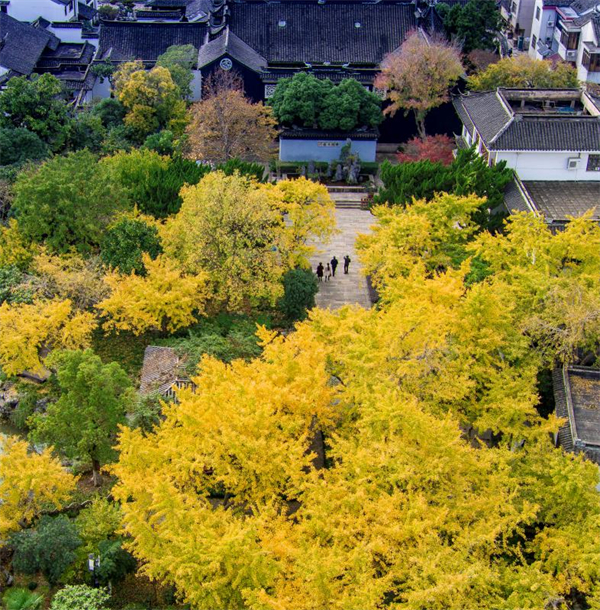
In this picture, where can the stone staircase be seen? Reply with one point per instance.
(347, 197)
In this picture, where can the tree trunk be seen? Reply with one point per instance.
(96, 478)
(420, 120)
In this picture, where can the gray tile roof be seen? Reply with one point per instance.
(227, 43)
(86, 12)
(21, 44)
(161, 365)
(581, 6)
(486, 111)
(322, 32)
(127, 41)
(577, 397)
(556, 201)
(552, 133)
(501, 129)
(516, 197)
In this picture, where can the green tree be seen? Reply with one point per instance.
(83, 422)
(152, 181)
(467, 174)
(80, 597)
(308, 101)
(349, 105)
(300, 100)
(163, 142)
(111, 112)
(475, 23)
(35, 103)
(49, 549)
(18, 145)
(126, 241)
(67, 202)
(524, 72)
(22, 599)
(86, 131)
(300, 287)
(179, 61)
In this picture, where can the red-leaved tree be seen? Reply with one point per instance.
(435, 148)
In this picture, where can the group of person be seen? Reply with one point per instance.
(327, 272)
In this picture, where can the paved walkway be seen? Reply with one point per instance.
(351, 288)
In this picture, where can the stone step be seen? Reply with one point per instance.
(346, 189)
(348, 205)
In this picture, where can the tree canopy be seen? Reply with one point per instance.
(67, 202)
(475, 24)
(34, 103)
(308, 101)
(179, 60)
(29, 482)
(526, 73)
(468, 173)
(152, 99)
(399, 505)
(82, 423)
(226, 124)
(418, 76)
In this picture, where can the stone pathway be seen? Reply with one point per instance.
(351, 288)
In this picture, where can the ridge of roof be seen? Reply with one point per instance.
(228, 43)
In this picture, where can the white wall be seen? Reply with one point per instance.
(541, 29)
(546, 165)
(69, 34)
(100, 90)
(196, 85)
(30, 10)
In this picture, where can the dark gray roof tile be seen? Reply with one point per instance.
(228, 43)
(311, 32)
(127, 41)
(551, 133)
(21, 44)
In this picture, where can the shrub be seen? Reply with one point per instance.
(125, 243)
(80, 597)
(300, 288)
(245, 168)
(49, 549)
(22, 599)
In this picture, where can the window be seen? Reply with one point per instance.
(593, 164)
(570, 40)
(591, 61)
(513, 7)
(534, 42)
(537, 13)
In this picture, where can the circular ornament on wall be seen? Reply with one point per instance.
(226, 63)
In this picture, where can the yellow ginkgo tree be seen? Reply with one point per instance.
(29, 483)
(28, 330)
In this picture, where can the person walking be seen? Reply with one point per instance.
(328, 272)
(334, 264)
(347, 261)
(320, 272)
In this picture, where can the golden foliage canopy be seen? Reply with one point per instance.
(164, 299)
(525, 72)
(151, 97)
(29, 482)
(26, 329)
(409, 509)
